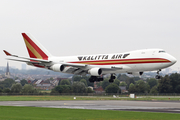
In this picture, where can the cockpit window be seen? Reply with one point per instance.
(162, 51)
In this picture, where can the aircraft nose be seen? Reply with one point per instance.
(173, 60)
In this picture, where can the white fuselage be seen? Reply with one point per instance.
(134, 61)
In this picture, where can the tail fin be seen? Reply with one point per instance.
(35, 49)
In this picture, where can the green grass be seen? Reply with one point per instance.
(55, 98)
(45, 91)
(36, 113)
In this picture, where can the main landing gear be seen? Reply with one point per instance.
(112, 78)
(158, 76)
(95, 78)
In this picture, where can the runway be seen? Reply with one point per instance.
(146, 106)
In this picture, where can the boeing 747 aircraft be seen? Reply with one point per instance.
(134, 62)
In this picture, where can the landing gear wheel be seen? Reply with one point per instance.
(112, 78)
(92, 78)
(158, 77)
(95, 78)
(100, 79)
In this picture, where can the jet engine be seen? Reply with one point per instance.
(57, 67)
(95, 71)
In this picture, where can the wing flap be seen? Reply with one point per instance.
(74, 65)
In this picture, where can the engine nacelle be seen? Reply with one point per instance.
(136, 73)
(95, 71)
(57, 67)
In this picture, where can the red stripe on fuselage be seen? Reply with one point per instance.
(44, 56)
(124, 61)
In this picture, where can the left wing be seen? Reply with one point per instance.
(45, 63)
(32, 60)
(73, 68)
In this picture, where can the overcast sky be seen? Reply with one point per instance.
(75, 27)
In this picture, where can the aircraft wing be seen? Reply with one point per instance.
(82, 69)
(74, 68)
(74, 65)
(27, 61)
(33, 60)
(111, 68)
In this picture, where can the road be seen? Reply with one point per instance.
(150, 106)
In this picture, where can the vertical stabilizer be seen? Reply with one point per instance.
(35, 49)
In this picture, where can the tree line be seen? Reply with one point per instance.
(79, 84)
(9, 86)
(167, 84)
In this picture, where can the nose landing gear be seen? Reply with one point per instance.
(158, 76)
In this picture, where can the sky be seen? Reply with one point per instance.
(78, 27)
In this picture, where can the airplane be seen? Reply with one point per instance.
(133, 62)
